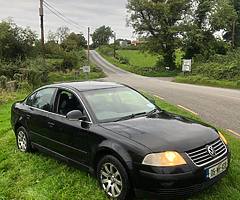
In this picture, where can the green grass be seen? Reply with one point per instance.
(139, 63)
(138, 58)
(37, 176)
(200, 80)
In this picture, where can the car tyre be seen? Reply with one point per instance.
(113, 178)
(23, 140)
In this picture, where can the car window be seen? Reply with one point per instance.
(67, 102)
(42, 99)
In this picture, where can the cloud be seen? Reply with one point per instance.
(93, 13)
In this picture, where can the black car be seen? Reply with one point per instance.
(116, 133)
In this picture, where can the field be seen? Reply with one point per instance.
(37, 176)
(137, 62)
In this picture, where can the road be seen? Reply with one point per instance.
(220, 107)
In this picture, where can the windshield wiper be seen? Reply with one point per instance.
(130, 116)
(149, 114)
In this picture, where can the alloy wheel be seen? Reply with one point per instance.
(22, 141)
(111, 180)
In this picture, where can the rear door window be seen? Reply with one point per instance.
(42, 99)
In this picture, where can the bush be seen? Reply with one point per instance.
(3, 82)
(70, 60)
(219, 67)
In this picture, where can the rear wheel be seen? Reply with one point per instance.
(23, 141)
(113, 178)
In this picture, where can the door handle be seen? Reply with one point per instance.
(51, 124)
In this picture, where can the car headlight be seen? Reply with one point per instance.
(165, 159)
(222, 137)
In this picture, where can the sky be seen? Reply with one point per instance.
(92, 13)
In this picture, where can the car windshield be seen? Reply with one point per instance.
(117, 103)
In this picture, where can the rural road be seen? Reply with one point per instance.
(220, 107)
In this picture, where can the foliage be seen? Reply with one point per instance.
(101, 36)
(70, 60)
(53, 50)
(15, 42)
(161, 22)
(74, 42)
(208, 18)
(3, 82)
(62, 33)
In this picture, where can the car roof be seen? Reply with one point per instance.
(87, 85)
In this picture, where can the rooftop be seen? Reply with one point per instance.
(89, 85)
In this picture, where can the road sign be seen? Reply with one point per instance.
(86, 69)
(187, 65)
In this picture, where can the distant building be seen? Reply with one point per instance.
(136, 42)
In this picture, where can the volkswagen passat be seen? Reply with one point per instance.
(116, 133)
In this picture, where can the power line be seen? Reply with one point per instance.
(61, 13)
(62, 16)
(59, 16)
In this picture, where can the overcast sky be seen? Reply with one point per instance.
(93, 13)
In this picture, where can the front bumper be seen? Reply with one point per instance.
(177, 185)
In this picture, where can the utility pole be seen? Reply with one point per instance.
(88, 45)
(42, 26)
(114, 50)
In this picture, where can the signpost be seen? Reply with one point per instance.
(86, 70)
(187, 65)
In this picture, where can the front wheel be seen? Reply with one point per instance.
(23, 141)
(113, 178)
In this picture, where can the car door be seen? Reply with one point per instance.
(38, 107)
(69, 137)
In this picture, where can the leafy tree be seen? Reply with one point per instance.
(208, 17)
(231, 36)
(101, 36)
(74, 42)
(160, 21)
(15, 42)
(62, 33)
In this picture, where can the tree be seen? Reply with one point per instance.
(233, 35)
(15, 42)
(74, 42)
(160, 21)
(101, 36)
(52, 36)
(207, 18)
(62, 33)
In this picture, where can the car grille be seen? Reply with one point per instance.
(200, 156)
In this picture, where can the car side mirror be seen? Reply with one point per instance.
(75, 115)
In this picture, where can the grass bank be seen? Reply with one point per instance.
(37, 176)
(136, 62)
(200, 80)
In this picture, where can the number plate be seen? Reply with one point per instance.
(217, 169)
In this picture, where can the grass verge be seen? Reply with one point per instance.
(37, 176)
(200, 80)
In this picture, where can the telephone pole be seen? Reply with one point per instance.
(42, 26)
(88, 45)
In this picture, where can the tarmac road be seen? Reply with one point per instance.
(220, 107)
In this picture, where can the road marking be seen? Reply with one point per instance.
(187, 109)
(159, 97)
(233, 132)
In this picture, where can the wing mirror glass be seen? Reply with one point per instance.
(76, 115)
